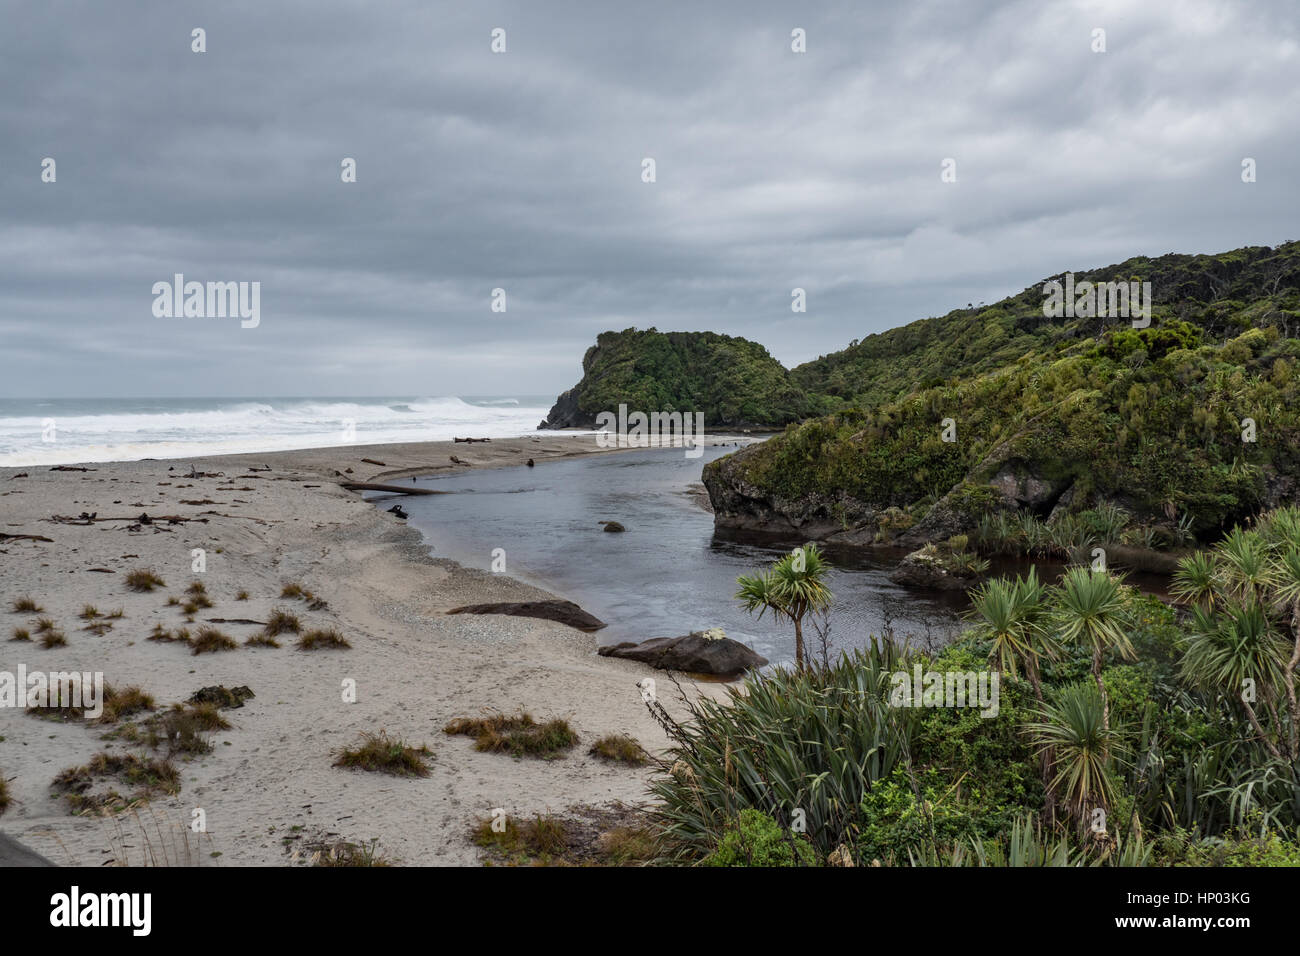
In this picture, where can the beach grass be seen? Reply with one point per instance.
(516, 734)
(619, 748)
(379, 753)
(143, 579)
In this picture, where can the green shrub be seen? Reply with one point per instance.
(758, 840)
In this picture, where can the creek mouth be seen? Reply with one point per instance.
(670, 572)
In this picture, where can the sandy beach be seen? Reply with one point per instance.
(268, 786)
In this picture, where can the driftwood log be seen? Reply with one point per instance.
(391, 489)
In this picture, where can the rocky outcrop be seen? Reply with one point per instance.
(737, 503)
(700, 652)
(732, 382)
(565, 413)
(930, 568)
(562, 612)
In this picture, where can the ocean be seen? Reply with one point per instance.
(58, 431)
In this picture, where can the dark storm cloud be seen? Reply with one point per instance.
(522, 171)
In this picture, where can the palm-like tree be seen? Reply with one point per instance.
(1243, 564)
(791, 588)
(1248, 591)
(1235, 646)
(1090, 609)
(1011, 615)
(1195, 581)
(1072, 732)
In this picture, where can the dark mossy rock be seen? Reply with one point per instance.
(693, 653)
(562, 612)
(929, 568)
(226, 698)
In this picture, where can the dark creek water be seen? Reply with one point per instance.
(669, 573)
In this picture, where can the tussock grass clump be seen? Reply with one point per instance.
(124, 703)
(322, 639)
(53, 639)
(143, 579)
(163, 635)
(542, 837)
(21, 634)
(624, 846)
(241, 596)
(196, 588)
(209, 640)
(619, 748)
(148, 776)
(183, 728)
(173, 601)
(44, 624)
(261, 639)
(89, 613)
(299, 593)
(25, 605)
(345, 853)
(99, 628)
(4, 794)
(282, 622)
(196, 603)
(383, 754)
(516, 734)
(116, 704)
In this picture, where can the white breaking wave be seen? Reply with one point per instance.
(63, 432)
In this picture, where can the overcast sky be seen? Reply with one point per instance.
(523, 170)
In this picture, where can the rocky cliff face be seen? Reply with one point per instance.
(565, 413)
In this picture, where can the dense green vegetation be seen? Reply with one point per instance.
(1186, 426)
(1220, 295)
(1128, 732)
(732, 381)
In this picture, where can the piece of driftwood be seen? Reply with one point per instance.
(142, 519)
(562, 612)
(470, 441)
(371, 461)
(21, 474)
(391, 489)
(25, 537)
(71, 468)
(234, 620)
